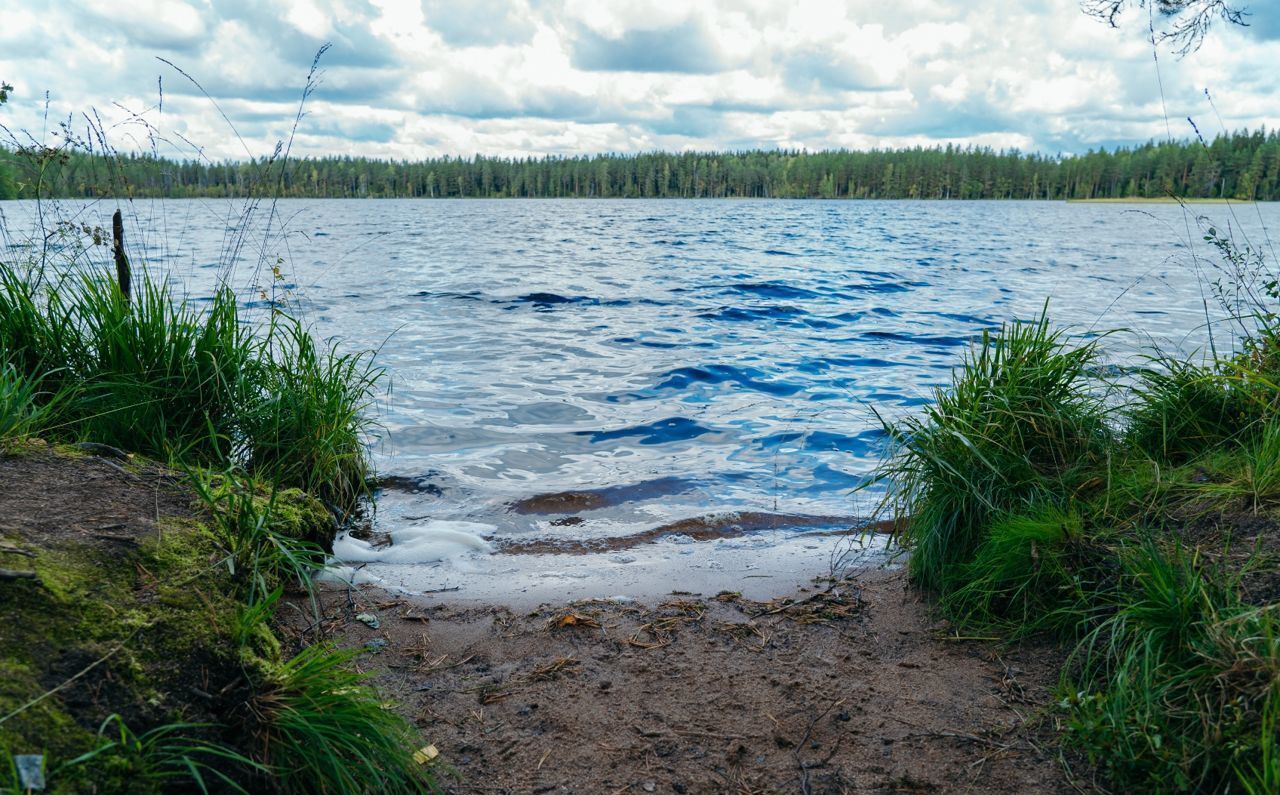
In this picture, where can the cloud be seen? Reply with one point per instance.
(680, 48)
(480, 22)
(416, 78)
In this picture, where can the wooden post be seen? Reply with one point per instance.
(122, 262)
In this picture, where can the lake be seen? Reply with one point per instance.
(599, 398)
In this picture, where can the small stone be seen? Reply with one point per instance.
(369, 619)
(649, 786)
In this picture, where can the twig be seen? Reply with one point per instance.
(442, 590)
(808, 732)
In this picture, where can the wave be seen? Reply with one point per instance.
(746, 377)
(671, 429)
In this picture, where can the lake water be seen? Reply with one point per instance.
(665, 360)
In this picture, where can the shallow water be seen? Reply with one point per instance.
(647, 362)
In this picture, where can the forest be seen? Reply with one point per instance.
(1242, 165)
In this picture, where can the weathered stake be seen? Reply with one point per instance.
(122, 262)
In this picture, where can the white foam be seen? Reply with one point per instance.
(420, 543)
(348, 575)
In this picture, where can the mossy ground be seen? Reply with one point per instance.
(131, 612)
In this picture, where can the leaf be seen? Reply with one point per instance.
(425, 754)
(576, 620)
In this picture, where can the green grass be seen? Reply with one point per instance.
(325, 731)
(1181, 409)
(1031, 506)
(1178, 690)
(258, 549)
(164, 758)
(1031, 573)
(1018, 428)
(20, 412)
(161, 377)
(309, 424)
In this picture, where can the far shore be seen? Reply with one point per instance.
(1163, 200)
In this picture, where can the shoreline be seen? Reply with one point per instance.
(843, 684)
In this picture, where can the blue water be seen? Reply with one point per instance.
(739, 348)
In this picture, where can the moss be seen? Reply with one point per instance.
(25, 445)
(44, 727)
(156, 628)
(298, 515)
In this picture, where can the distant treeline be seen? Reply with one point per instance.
(1242, 165)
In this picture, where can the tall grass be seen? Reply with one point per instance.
(1030, 573)
(313, 413)
(19, 412)
(1180, 409)
(1019, 428)
(162, 377)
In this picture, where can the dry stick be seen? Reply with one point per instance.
(122, 262)
(804, 769)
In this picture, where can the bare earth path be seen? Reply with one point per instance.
(849, 687)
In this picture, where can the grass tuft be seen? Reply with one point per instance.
(161, 377)
(1017, 429)
(325, 730)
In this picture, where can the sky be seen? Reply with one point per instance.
(421, 78)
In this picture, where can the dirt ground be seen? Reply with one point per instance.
(849, 687)
(94, 496)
